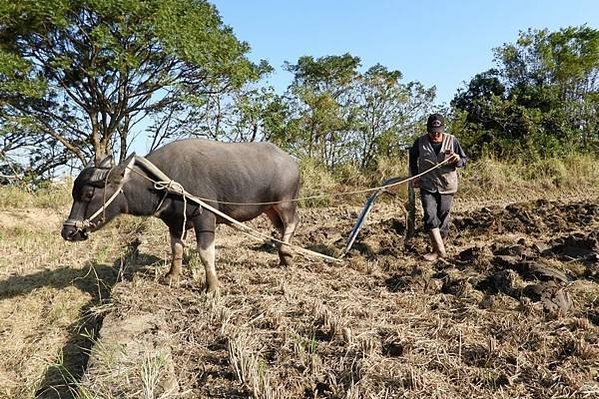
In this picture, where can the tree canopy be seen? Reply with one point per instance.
(340, 114)
(76, 76)
(542, 98)
(78, 79)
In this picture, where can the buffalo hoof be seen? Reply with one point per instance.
(212, 284)
(213, 292)
(286, 259)
(171, 279)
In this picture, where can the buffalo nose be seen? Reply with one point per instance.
(68, 233)
(71, 233)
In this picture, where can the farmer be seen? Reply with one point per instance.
(438, 186)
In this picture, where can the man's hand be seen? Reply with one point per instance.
(452, 157)
(416, 183)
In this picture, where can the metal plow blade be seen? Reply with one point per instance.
(366, 210)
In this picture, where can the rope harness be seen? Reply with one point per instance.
(86, 224)
(170, 186)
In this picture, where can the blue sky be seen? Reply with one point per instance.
(441, 43)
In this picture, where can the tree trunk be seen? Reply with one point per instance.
(97, 143)
(124, 133)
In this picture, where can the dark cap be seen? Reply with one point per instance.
(435, 123)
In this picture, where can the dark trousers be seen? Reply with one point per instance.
(436, 211)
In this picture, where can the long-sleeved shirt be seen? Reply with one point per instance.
(414, 154)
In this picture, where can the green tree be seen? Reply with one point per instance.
(320, 99)
(248, 114)
(388, 113)
(557, 74)
(259, 115)
(82, 74)
(542, 98)
(341, 115)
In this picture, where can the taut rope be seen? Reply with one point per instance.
(166, 183)
(322, 195)
(169, 185)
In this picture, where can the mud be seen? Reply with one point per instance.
(556, 245)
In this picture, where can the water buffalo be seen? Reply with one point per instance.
(223, 172)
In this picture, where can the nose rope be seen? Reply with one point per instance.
(85, 224)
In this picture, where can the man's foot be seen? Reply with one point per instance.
(437, 244)
(431, 257)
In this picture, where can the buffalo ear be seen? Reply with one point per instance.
(106, 163)
(119, 172)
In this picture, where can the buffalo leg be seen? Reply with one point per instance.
(207, 252)
(177, 257)
(204, 229)
(287, 213)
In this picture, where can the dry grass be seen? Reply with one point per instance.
(383, 324)
(54, 196)
(482, 181)
(124, 360)
(520, 181)
(47, 289)
(316, 180)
